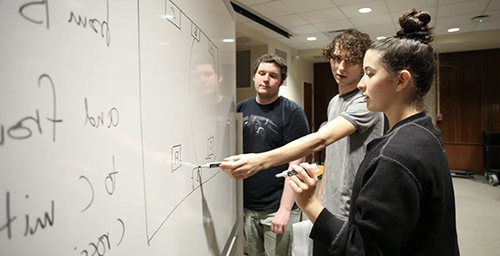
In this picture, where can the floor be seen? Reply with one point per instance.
(478, 216)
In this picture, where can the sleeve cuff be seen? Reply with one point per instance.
(326, 228)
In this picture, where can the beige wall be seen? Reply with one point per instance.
(255, 53)
(299, 71)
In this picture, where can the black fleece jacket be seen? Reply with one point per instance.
(402, 200)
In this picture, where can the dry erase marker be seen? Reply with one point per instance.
(291, 172)
(214, 164)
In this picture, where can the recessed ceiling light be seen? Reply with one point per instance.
(228, 40)
(311, 38)
(381, 37)
(365, 10)
(451, 30)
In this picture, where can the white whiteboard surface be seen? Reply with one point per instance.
(107, 107)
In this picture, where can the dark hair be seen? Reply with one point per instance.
(276, 60)
(410, 50)
(352, 41)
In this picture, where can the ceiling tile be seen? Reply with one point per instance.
(372, 20)
(443, 2)
(348, 2)
(320, 37)
(333, 25)
(323, 15)
(494, 15)
(473, 6)
(402, 5)
(378, 7)
(455, 21)
(304, 29)
(379, 30)
(272, 9)
(487, 25)
(317, 44)
(494, 5)
(254, 2)
(292, 20)
(300, 6)
(291, 40)
(463, 29)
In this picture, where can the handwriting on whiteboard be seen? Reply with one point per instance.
(27, 126)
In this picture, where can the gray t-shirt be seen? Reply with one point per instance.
(344, 156)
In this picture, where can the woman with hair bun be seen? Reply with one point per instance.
(402, 200)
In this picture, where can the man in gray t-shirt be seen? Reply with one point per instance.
(345, 155)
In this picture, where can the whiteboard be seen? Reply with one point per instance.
(107, 108)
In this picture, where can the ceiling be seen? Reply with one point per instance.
(320, 18)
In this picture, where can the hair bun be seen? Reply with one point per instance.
(414, 25)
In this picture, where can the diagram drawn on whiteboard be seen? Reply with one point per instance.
(199, 119)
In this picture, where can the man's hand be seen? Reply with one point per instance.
(243, 166)
(304, 187)
(280, 221)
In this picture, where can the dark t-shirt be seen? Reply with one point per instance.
(266, 127)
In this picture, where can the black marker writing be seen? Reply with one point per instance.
(54, 119)
(103, 243)
(23, 129)
(112, 179)
(92, 189)
(48, 219)
(32, 4)
(123, 231)
(8, 225)
(94, 24)
(41, 223)
(20, 132)
(112, 121)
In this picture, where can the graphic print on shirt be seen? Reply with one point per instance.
(258, 127)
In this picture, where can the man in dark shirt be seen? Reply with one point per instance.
(270, 121)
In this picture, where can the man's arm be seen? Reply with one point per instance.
(282, 217)
(249, 164)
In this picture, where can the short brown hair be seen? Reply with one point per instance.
(352, 41)
(276, 60)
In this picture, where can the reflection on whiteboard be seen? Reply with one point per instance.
(192, 110)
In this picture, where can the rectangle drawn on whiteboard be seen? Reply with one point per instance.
(195, 32)
(176, 157)
(210, 147)
(211, 48)
(173, 14)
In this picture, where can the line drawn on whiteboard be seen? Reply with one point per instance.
(44, 2)
(176, 157)
(175, 208)
(91, 189)
(173, 14)
(104, 25)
